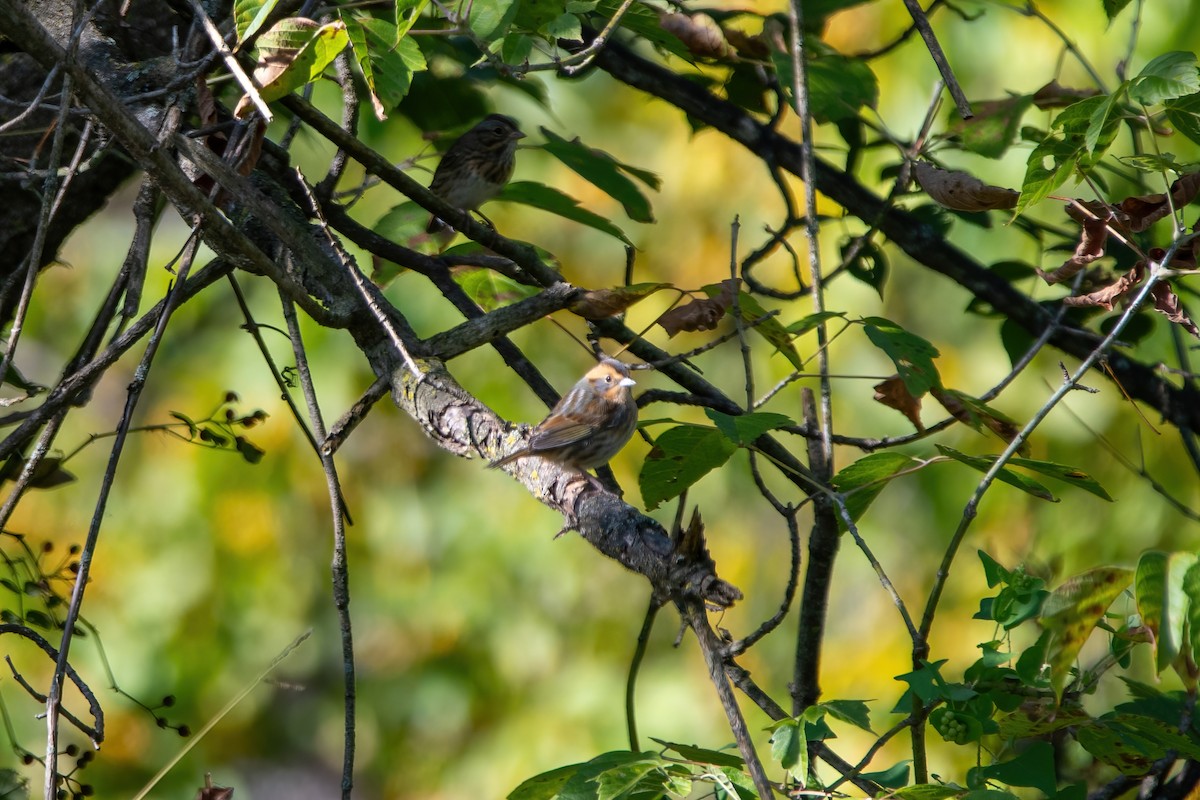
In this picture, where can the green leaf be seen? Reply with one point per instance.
(681, 456)
(1191, 587)
(1162, 601)
(993, 571)
(627, 780)
(894, 777)
(249, 451)
(927, 791)
(810, 323)
(854, 712)
(305, 50)
(868, 265)
(248, 17)
(1102, 117)
(703, 755)
(548, 199)
(602, 171)
(1184, 114)
(1167, 77)
(1033, 767)
(862, 481)
(912, 355)
(1114, 7)
(491, 290)
(1072, 611)
(386, 58)
(1061, 472)
(490, 19)
(745, 428)
(993, 128)
(789, 747)
(545, 786)
(838, 86)
(516, 49)
(1066, 148)
(768, 327)
(1005, 475)
(407, 12)
(564, 26)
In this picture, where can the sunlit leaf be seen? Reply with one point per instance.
(490, 290)
(1072, 611)
(249, 16)
(768, 327)
(1062, 472)
(789, 747)
(704, 755)
(863, 480)
(1163, 602)
(681, 456)
(1167, 77)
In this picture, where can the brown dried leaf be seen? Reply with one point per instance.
(604, 303)
(1167, 302)
(962, 191)
(701, 314)
(1055, 95)
(1145, 210)
(1107, 297)
(700, 34)
(1091, 247)
(893, 394)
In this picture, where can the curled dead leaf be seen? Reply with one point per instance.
(700, 34)
(603, 303)
(701, 314)
(893, 394)
(962, 191)
(1107, 297)
(1144, 210)
(977, 414)
(1167, 302)
(1092, 240)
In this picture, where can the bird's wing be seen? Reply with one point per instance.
(561, 431)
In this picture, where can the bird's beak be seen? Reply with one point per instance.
(518, 135)
(627, 382)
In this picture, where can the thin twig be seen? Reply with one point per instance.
(635, 663)
(231, 61)
(939, 58)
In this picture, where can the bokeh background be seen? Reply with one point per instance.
(486, 650)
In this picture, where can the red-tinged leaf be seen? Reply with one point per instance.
(701, 314)
(1107, 297)
(1143, 211)
(976, 413)
(1055, 95)
(894, 394)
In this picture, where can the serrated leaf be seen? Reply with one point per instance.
(1062, 472)
(745, 428)
(862, 481)
(1005, 475)
(602, 171)
(549, 199)
(854, 712)
(490, 290)
(582, 785)
(912, 355)
(1072, 611)
(681, 456)
(249, 16)
(768, 327)
(1102, 117)
(629, 779)
(1064, 149)
(564, 26)
(1167, 77)
(1162, 601)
